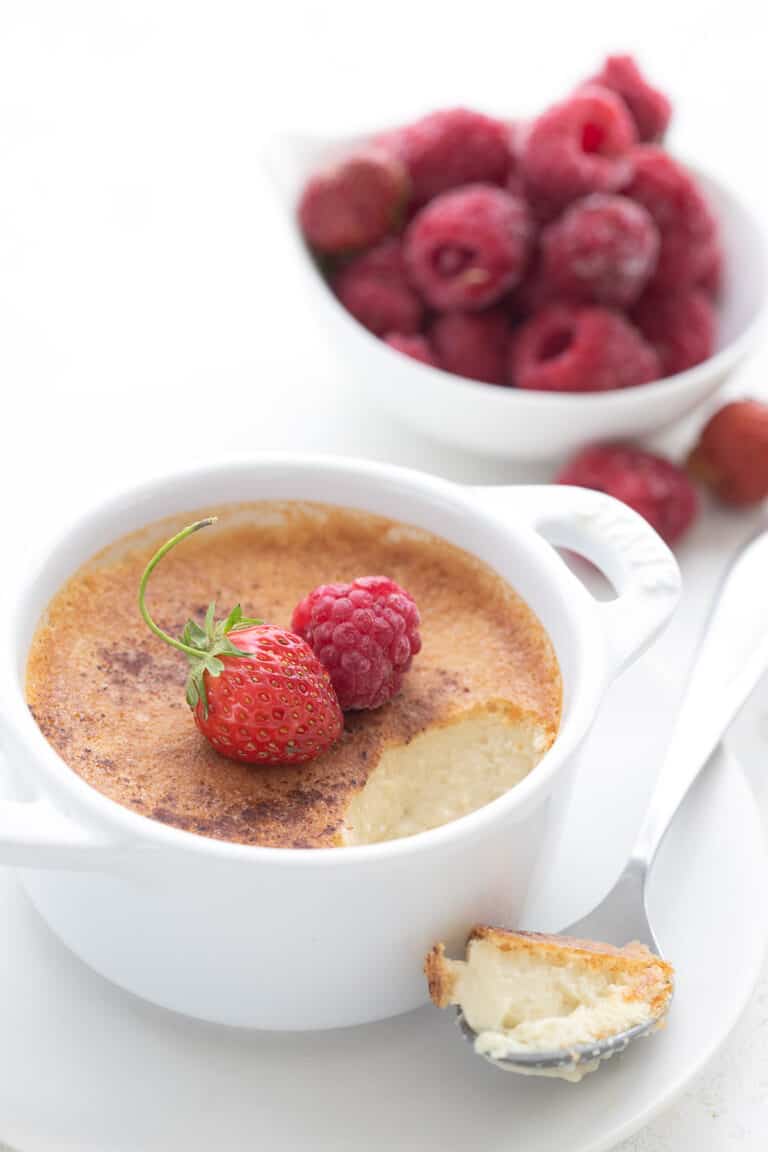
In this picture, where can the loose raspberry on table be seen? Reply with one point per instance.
(650, 109)
(602, 250)
(473, 344)
(567, 349)
(374, 288)
(355, 202)
(731, 456)
(449, 148)
(579, 146)
(688, 230)
(680, 326)
(653, 486)
(468, 247)
(366, 633)
(416, 346)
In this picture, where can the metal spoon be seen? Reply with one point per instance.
(732, 657)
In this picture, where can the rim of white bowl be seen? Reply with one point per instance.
(589, 684)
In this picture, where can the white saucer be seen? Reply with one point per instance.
(86, 1067)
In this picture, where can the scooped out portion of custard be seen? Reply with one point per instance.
(476, 711)
(445, 772)
(527, 992)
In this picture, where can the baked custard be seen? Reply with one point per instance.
(476, 712)
(528, 992)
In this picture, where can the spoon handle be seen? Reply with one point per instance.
(732, 657)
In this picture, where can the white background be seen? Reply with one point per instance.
(151, 309)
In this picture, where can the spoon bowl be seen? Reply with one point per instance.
(619, 917)
(570, 1064)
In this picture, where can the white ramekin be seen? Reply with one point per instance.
(511, 422)
(293, 939)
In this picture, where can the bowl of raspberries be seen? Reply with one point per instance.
(521, 288)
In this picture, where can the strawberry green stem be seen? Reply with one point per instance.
(203, 645)
(187, 649)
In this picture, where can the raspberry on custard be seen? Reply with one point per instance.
(416, 346)
(374, 288)
(579, 146)
(366, 633)
(473, 344)
(680, 326)
(687, 227)
(656, 488)
(602, 250)
(567, 349)
(468, 247)
(354, 202)
(650, 109)
(451, 147)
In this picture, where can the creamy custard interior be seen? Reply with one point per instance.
(478, 709)
(532, 993)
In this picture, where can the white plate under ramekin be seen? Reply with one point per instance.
(86, 1068)
(511, 422)
(292, 938)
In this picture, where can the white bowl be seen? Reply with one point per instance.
(302, 938)
(512, 422)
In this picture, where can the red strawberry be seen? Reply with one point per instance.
(258, 692)
(731, 456)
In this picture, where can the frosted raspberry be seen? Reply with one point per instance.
(373, 287)
(468, 247)
(449, 148)
(686, 225)
(365, 633)
(517, 134)
(578, 147)
(653, 486)
(602, 250)
(530, 295)
(565, 349)
(650, 109)
(416, 346)
(515, 185)
(681, 327)
(355, 202)
(473, 344)
(731, 456)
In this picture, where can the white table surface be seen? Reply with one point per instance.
(152, 312)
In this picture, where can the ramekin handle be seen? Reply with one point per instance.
(34, 834)
(614, 538)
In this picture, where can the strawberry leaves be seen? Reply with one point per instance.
(208, 643)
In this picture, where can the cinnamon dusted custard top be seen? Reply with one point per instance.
(109, 696)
